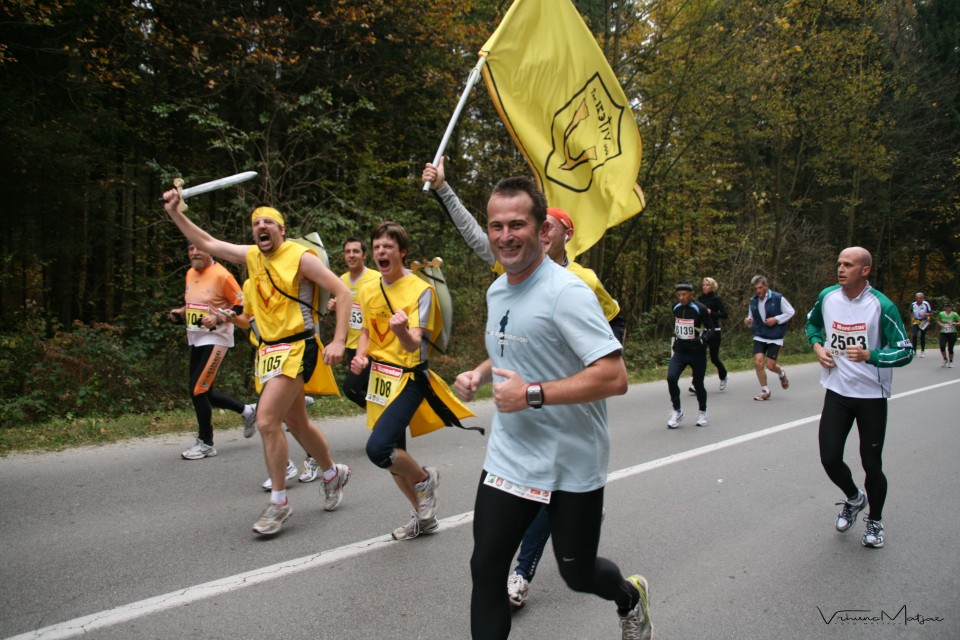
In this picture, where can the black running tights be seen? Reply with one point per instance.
(499, 522)
(836, 421)
(203, 403)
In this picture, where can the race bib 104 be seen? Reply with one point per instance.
(195, 314)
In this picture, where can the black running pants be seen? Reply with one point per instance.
(836, 421)
(203, 403)
(499, 522)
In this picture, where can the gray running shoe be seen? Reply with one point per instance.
(199, 451)
(427, 494)
(848, 514)
(292, 472)
(636, 625)
(333, 489)
(723, 383)
(272, 519)
(250, 422)
(311, 468)
(874, 534)
(415, 528)
(517, 588)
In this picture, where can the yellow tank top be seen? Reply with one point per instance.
(356, 313)
(404, 294)
(610, 307)
(277, 315)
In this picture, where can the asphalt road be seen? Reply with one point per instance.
(732, 524)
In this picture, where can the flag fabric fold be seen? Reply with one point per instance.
(568, 115)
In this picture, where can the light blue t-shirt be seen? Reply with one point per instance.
(548, 327)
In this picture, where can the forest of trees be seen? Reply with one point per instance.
(775, 132)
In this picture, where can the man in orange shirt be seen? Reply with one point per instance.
(209, 288)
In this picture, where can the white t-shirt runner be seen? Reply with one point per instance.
(548, 327)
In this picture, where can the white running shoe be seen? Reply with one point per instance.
(723, 383)
(272, 519)
(848, 514)
(415, 528)
(702, 419)
(292, 472)
(250, 422)
(675, 419)
(427, 499)
(199, 451)
(333, 489)
(873, 536)
(636, 624)
(311, 468)
(517, 588)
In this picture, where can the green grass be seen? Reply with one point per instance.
(57, 435)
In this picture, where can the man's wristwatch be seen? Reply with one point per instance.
(535, 395)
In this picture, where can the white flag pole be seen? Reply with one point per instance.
(471, 81)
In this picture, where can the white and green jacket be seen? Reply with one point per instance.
(871, 321)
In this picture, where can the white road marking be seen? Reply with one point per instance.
(188, 595)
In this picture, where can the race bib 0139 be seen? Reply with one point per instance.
(684, 329)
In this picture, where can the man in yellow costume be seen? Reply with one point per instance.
(284, 276)
(400, 317)
(357, 275)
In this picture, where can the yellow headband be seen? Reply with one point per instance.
(267, 212)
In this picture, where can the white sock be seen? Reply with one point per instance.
(249, 409)
(278, 497)
(765, 389)
(330, 474)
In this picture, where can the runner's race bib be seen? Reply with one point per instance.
(384, 380)
(684, 329)
(924, 325)
(270, 359)
(195, 315)
(847, 335)
(356, 316)
(515, 489)
(947, 328)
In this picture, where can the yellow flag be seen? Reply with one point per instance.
(567, 114)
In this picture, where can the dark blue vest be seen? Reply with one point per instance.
(773, 308)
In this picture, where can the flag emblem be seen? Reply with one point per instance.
(586, 134)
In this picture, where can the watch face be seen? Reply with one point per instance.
(535, 395)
